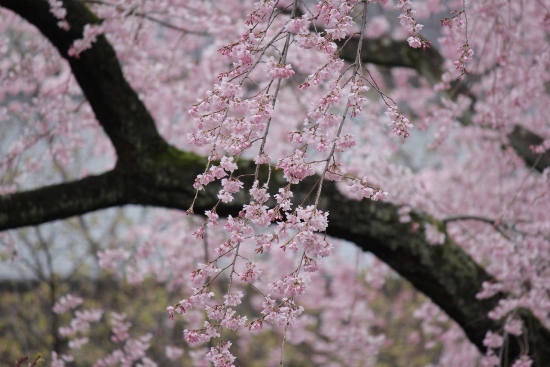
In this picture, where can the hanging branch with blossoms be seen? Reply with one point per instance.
(233, 122)
(407, 20)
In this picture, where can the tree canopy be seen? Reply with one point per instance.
(272, 114)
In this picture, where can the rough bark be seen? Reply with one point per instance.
(445, 273)
(116, 105)
(150, 172)
(62, 201)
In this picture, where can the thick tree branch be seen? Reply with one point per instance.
(62, 201)
(116, 105)
(445, 273)
(163, 180)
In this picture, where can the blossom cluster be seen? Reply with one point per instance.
(225, 120)
(399, 123)
(455, 20)
(231, 121)
(360, 188)
(57, 9)
(131, 350)
(465, 55)
(91, 32)
(407, 20)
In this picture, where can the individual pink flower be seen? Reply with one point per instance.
(220, 355)
(203, 180)
(335, 172)
(262, 159)
(343, 26)
(297, 25)
(263, 243)
(294, 167)
(513, 326)
(233, 321)
(233, 299)
(216, 312)
(345, 142)
(414, 42)
(225, 196)
(194, 336)
(447, 22)
(232, 185)
(327, 47)
(279, 71)
(203, 272)
(251, 274)
(314, 245)
(57, 9)
(259, 195)
(257, 214)
(328, 120)
(284, 315)
(310, 265)
(379, 195)
(492, 340)
(256, 325)
(313, 218)
(358, 191)
(399, 123)
(291, 285)
(227, 164)
(212, 218)
(170, 310)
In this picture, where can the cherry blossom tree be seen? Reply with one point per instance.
(291, 126)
